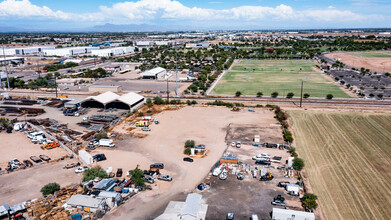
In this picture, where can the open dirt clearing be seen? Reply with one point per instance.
(382, 64)
(24, 185)
(18, 145)
(164, 143)
(348, 158)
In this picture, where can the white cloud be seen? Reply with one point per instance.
(24, 8)
(142, 11)
(331, 7)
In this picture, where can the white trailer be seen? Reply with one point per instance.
(106, 143)
(293, 188)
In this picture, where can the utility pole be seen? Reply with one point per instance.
(6, 70)
(301, 94)
(168, 96)
(55, 83)
(176, 73)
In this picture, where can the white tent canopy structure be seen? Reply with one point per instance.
(109, 99)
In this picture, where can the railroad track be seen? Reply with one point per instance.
(263, 100)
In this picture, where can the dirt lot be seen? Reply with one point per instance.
(249, 196)
(205, 125)
(372, 63)
(18, 145)
(26, 184)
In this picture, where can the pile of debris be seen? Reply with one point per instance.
(50, 207)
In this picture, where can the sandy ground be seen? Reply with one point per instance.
(205, 125)
(375, 63)
(18, 145)
(26, 184)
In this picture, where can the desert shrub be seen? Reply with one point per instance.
(94, 172)
(50, 188)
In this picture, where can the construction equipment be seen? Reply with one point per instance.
(267, 177)
(50, 145)
(235, 109)
(142, 124)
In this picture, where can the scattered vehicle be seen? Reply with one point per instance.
(267, 177)
(106, 143)
(188, 159)
(230, 216)
(216, 171)
(146, 129)
(142, 124)
(278, 200)
(254, 217)
(28, 163)
(15, 161)
(156, 121)
(165, 178)
(157, 165)
(50, 145)
(90, 147)
(235, 109)
(72, 165)
(119, 172)
(149, 179)
(250, 110)
(261, 156)
(238, 144)
(99, 157)
(45, 158)
(81, 169)
(282, 184)
(223, 175)
(263, 162)
(36, 159)
(19, 217)
(233, 144)
(240, 176)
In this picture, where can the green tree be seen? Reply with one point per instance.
(310, 204)
(101, 135)
(298, 164)
(290, 95)
(157, 100)
(187, 151)
(238, 93)
(50, 188)
(329, 96)
(189, 143)
(149, 102)
(94, 172)
(259, 94)
(309, 196)
(306, 95)
(274, 94)
(137, 176)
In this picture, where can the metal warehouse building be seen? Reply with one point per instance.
(69, 51)
(112, 51)
(155, 73)
(129, 101)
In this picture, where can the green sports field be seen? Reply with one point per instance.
(282, 76)
(385, 54)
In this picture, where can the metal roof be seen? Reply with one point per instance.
(105, 98)
(83, 200)
(192, 205)
(75, 101)
(153, 72)
(297, 214)
(130, 98)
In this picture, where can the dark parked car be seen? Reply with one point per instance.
(119, 172)
(36, 159)
(99, 157)
(157, 165)
(45, 158)
(188, 159)
(28, 163)
(263, 162)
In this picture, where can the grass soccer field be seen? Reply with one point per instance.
(384, 54)
(282, 76)
(347, 160)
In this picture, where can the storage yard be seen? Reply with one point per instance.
(282, 76)
(347, 161)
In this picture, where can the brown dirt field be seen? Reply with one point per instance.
(164, 143)
(372, 63)
(24, 185)
(348, 158)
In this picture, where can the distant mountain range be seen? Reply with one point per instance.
(126, 28)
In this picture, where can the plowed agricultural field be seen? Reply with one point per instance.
(348, 161)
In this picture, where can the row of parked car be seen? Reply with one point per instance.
(16, 164)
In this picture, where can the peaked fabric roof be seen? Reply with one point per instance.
(105, 98)
(130, 98)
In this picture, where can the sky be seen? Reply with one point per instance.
(196, 14)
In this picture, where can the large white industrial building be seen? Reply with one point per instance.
(155, 73)
(24, 51)
(112, 51)
(69, 51)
